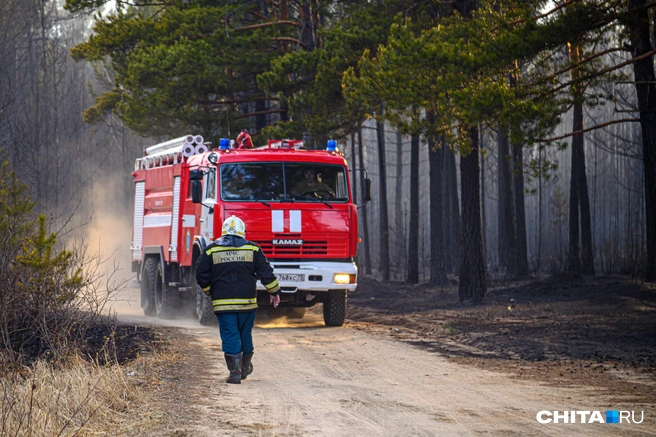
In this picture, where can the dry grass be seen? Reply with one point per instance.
(76, 399)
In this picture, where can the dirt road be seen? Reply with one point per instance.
(310, 380)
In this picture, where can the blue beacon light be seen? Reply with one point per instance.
(332, 146)
(224, 144)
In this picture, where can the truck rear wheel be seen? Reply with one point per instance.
(148, 281)
(166, 297)
(204, 308)
(334, 308)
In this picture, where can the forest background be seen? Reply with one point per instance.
(503, 138)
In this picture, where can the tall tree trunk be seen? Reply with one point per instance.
(483, 209)
(307, 29)
(578, 142)
(284, 115)
(450, 261)
(261, 117)
(365, 222)
(520, 261)
(645, 82)
(580, 200)
(539, 258)
(573, 255)
(284, 9)
(437, 210)
(382, 214)
(354, 171)
(316, 21)
(354, 181)
(399, 216)
(45, 101)
(520, 212)
(453, 205)
(587, 257)
(472, 262)
(505, 211)
(413, 234)
(467, 251)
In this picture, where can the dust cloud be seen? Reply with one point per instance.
(103, 237)
(109, 234)
(269, 318)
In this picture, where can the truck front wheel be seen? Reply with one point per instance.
(148, 281)
(166, 297)
(334, 308)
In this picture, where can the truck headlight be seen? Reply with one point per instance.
(344, 278)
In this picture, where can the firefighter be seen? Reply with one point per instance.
(243, 140)
(227, 272)
(311, 186)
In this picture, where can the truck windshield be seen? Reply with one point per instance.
(300, 182)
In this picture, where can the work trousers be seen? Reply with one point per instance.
(236, 330)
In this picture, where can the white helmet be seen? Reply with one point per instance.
(233, 225)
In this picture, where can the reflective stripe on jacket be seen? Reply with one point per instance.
(228, 270)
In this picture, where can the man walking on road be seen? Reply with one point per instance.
(227, 272)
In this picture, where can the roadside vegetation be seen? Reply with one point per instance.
(61, 364)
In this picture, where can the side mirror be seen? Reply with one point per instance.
(366, 188)
(196, 175)
(196, 191)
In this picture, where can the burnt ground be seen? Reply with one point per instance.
(102, 342)
(563, 330)
(105, 342)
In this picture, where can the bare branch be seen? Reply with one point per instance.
(581, 62)
(537, 17)
(599, 126)
(596, 74)
(272, 23)
(286, 38)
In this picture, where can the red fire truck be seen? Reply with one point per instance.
(297, 205)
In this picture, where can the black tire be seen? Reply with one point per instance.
(295, 312)
(166, 297)
(148, 281)
(204, 310)
(334, 308)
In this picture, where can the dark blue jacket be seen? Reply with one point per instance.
(228, 270)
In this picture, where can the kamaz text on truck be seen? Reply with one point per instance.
(297, 205)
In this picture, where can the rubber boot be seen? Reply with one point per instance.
(246, 366)
(234, 366)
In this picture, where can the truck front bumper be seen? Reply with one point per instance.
(313, 276)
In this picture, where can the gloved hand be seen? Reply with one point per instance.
(274, 300)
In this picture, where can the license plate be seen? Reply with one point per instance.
(291, 278)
